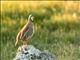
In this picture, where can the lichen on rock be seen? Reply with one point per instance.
(29, 52)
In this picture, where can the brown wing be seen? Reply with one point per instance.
(24, 29)
(23, 32)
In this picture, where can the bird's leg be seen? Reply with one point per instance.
(25, 42)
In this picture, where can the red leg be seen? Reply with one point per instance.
(25, 41)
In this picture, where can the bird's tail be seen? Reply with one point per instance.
(16, 42)
(17, 39)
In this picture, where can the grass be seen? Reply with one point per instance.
(56, 30)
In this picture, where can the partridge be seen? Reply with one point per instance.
(27, 31)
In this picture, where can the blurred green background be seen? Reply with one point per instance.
(57, 27)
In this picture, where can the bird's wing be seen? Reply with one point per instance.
(24, 31)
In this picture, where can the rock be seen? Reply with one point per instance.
(29, 52)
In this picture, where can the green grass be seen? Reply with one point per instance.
(64, 44)
(61, 38)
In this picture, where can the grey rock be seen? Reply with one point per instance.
(29, 52)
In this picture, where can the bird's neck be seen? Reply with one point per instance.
(29, 22)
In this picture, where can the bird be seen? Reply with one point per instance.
(26, 32)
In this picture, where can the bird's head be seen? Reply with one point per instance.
(31, 17)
